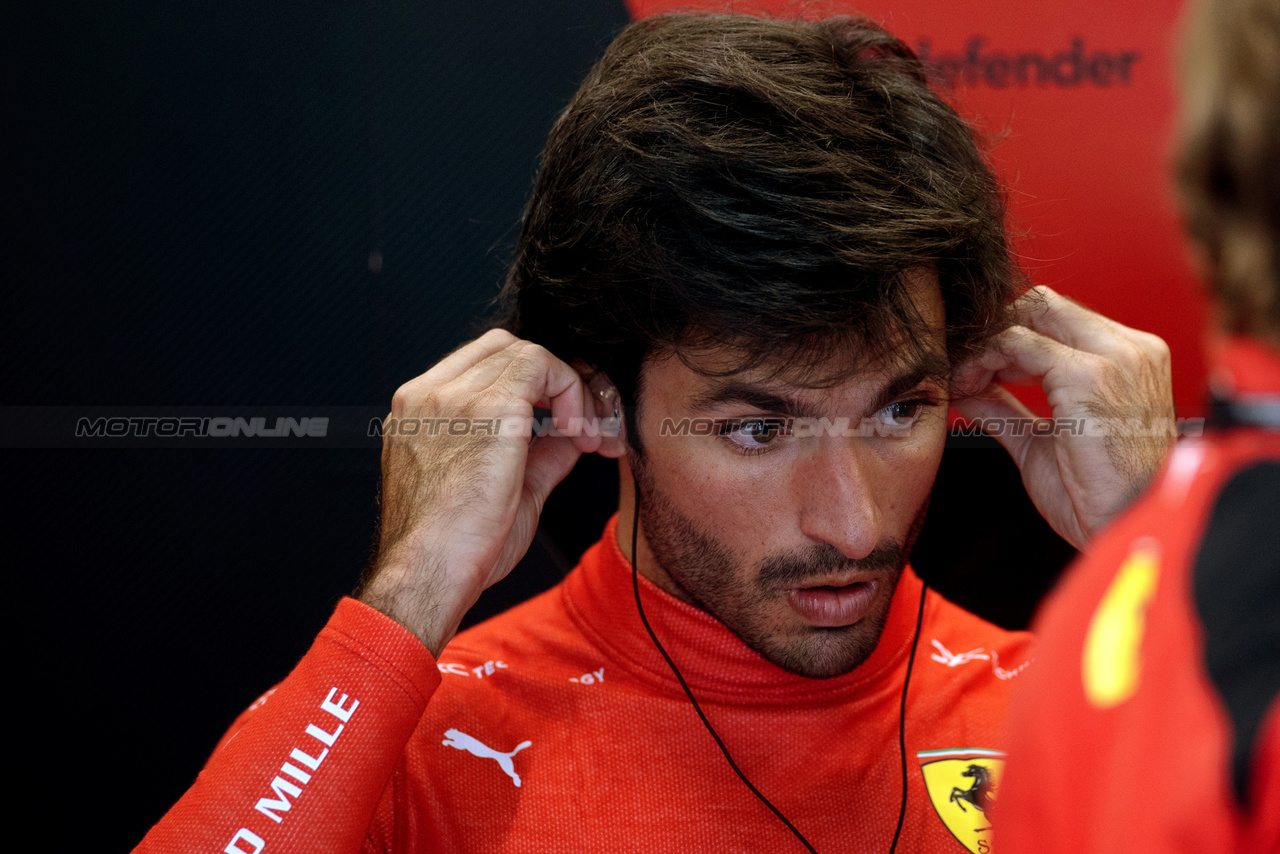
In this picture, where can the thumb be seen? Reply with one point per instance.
(996, 403)
(550, 460)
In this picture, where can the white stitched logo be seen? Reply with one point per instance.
(462, 741)
(949, 658)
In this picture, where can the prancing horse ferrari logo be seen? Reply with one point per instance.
(962, 783)
(979, 794)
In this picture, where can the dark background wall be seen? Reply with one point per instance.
(198, 199)
(262, 207)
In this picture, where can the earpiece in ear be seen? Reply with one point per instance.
(608, 404)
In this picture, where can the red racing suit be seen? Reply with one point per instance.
(557, 726)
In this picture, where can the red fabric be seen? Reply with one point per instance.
(1148, 770)
(616, 757)
(1245, 367)
(386, 675)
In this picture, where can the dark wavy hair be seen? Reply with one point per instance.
(1228, 157)
(758, 185)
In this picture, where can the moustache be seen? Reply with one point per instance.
(796, 568)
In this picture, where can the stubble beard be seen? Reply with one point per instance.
(707, 572)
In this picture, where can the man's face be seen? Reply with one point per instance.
(793, 538)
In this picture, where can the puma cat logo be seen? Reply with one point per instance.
(462, 741)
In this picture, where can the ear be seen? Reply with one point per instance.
(608, 409)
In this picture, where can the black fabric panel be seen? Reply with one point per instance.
(1237, 594)
(250, 204)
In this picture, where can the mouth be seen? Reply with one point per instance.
(833, 606)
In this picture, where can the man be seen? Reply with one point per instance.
(759, 249)
(1152, 721)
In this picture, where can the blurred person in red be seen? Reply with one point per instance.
(1151, 719)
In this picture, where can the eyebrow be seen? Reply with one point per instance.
(931, 367)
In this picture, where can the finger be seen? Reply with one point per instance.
(456, 364)
(588, 440)
(551, 458)
(582, 426)
(1020, 356)
(572, 408)
(517, 358)
(532, 374)
(972, 376)
(998, 405)
(521, 371)
(1049, 313)
(470, 354)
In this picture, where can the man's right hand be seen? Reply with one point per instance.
(458, 511)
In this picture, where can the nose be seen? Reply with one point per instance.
(837, 494)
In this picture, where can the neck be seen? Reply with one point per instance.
(648, 565)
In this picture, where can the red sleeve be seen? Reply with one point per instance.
(1262, 825)
(304, 768)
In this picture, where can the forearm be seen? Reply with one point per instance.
(304, 769)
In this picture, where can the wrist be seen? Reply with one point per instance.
(423, 608)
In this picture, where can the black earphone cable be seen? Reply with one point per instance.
(635, 586)
(902, 742)
(902, 718)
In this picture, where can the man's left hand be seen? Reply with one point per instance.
(1111, 391)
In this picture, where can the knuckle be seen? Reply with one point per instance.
(431, 401)
(529, 362)
(1130, 353)
(1106, 371)
(401, 400)
(1015, 338)
(523, 370)
(1157, 348)
(533, 352)
(413, 398)
(1014, 333)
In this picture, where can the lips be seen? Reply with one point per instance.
(833, 607)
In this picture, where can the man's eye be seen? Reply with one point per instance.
(754, 434)
(904, 413)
